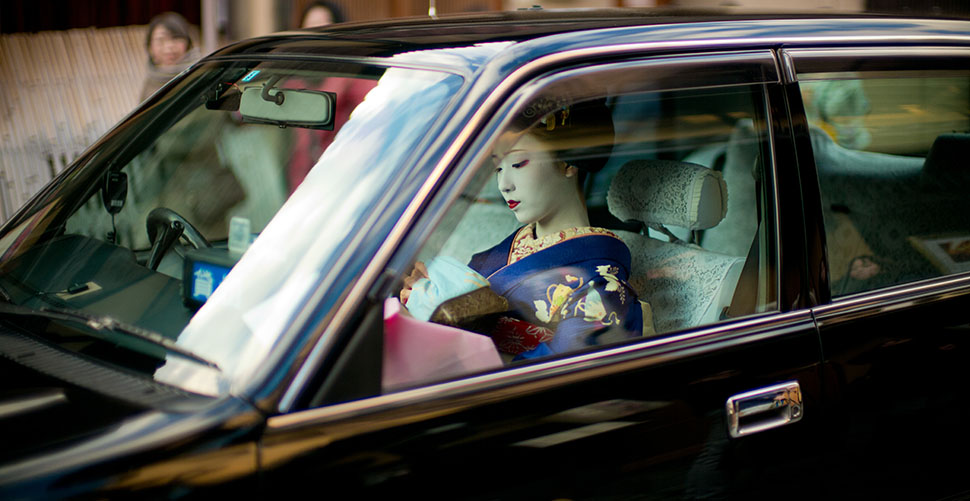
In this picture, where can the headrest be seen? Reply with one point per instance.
(668, 192)
(947, 157)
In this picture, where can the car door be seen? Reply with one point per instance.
(726, 404)
(887, 128)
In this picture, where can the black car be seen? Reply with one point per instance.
(762, 287)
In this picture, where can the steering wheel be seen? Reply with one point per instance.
(165, 226)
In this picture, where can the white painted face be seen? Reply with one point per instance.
(534, 184)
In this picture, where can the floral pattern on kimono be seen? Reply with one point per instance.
(564, 290)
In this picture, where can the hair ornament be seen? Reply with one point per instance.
(550, 120)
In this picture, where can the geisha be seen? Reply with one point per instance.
(564, 280)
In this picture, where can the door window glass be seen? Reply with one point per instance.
(596, 217)
(890, 152)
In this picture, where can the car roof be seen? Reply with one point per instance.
(590, 27)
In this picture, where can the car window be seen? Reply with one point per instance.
(601, 211)
(890, 153)
(179, 246)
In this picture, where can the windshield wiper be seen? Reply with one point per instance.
(102, 323)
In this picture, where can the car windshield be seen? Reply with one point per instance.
(182, 244)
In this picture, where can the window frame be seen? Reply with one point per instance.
(720, 70)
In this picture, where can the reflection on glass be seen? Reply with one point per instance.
(134, 234)
(889, 151)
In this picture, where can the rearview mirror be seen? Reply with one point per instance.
(311, 109)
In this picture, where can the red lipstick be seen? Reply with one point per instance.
(513, 203)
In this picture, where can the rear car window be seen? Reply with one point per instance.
(890, 152)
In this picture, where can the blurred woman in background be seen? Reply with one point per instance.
(169, 48)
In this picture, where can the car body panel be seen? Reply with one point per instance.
(891, 357)
(479, 437)
(894, 366)
(149, 452)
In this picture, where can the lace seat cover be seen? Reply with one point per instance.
(685, 284)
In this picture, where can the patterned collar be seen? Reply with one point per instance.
(525, 242)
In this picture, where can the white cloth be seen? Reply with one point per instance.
(447, 278)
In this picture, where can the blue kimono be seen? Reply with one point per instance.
(565, 291)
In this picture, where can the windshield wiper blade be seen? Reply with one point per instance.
(106, 323)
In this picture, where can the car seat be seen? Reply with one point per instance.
(871, 204)
(685, 284)
(740, 170)
(486, 222)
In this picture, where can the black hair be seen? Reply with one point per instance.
(579, 134)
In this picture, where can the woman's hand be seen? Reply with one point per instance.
(417, 273)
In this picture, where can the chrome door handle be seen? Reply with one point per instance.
(764, 409)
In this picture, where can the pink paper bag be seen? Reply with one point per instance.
(416, 351)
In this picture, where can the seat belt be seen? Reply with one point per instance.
(745, 298)
(746, 293)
